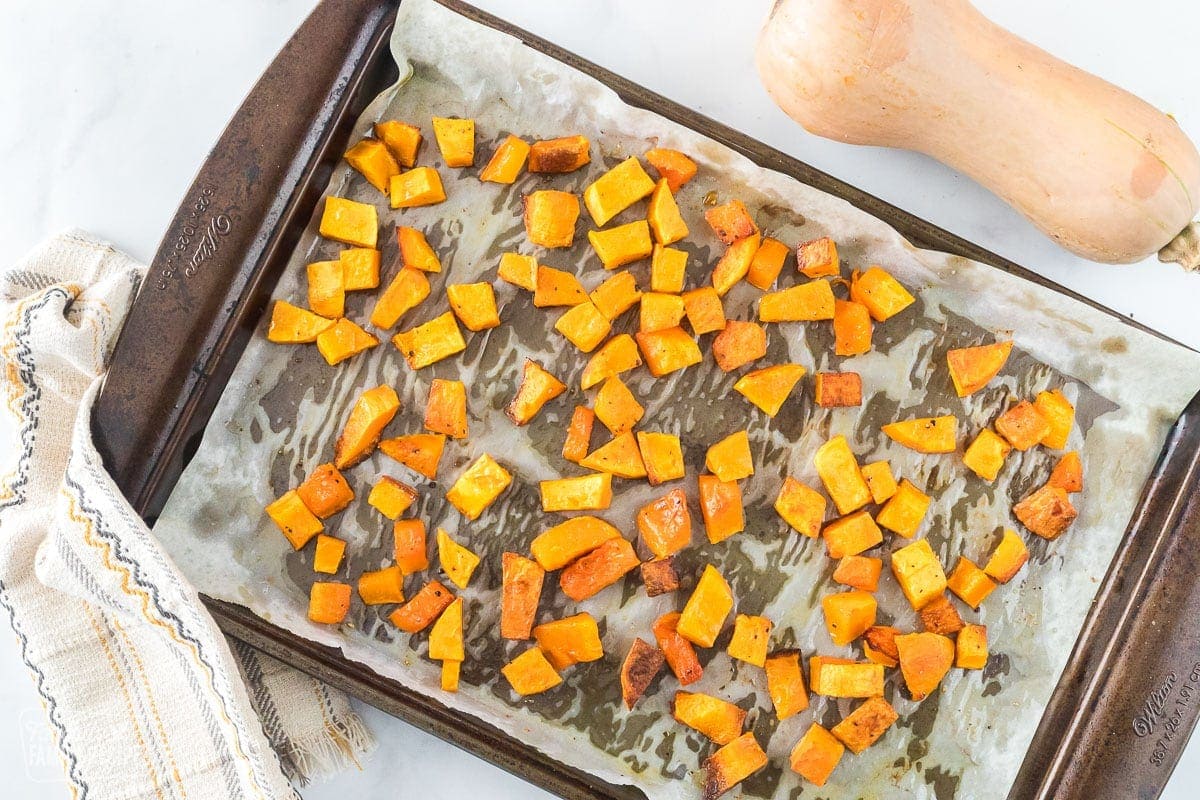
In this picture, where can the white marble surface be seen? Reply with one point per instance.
(109, 106)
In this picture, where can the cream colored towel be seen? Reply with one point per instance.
(144, 695)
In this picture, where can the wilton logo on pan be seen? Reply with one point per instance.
(1145, 723)
(198, 241)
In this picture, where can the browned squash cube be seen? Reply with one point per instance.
(739, 344)
(818, 258)
(659, 576)
(731, 765)
(1047, 512)
(565, 154)
(731, 221)
(940, 616)
(371, 413)
(1023, 425)
(1068, 473)
(865, 724)
(638, 670)
(537, 388)
(597, 570)
(838, 389)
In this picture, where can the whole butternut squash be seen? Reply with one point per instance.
(1101, 172)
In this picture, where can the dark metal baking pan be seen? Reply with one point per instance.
(1130, 694)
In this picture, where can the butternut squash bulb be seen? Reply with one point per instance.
(1098, 170)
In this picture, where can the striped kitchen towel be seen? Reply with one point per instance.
(144, 695)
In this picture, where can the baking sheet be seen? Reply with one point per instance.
(283, 408)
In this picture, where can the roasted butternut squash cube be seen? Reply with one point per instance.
(730, 458)
(360, 268)
(415, 250)
(659, 576)
(1023, 425)
(816, 755)
(905, 511)
(879, 645)
(851, 535)
(660, 311)
(818, 258)
(721, 508)
(704, 310)
(731, 765)
(720, 720)
(785, 683)
(620, 456)
(557, 288)
(863, 726)
(882, 294)
(597, 570)
(294, 519)
(420, 186)
(972, 368)
(422, 608)
(430, 342)
(841, 677)
(859, 572)
(616, 190)
(474, 304)
(971, 647)
(372, 412)
(402, 139)
(848, 615)
(734, 263)
(663, 215)
(801, 507)
(391, 498)
(537, 388)
(507, 161)
(420, 452)
(380, 586)
(751, 638)
(769, 387)
(838, 389)
(880, 480)
(456, 140)
(925, 434)
(623, 244)
(739, 344)
(668, 269)
(1068, 473)
(1008, 558)
(579, 434)
(373, 160)
(519, 270)
(450, 675)
(558, 546)
(325, 492)
(919, 573)
(570, 640)
(663, 456)
(616, 295)
(520, 593)
(409, 545)
(925, 658)
(706, 610)
(550, 217)
(446, 635)
(851, 328)
(405, 292)
(293, 325)
(530, 673)
(969, 582)
(343, 340)
(350, 222)
(767, 263)
(678, 651)
(478, 487)
(584, 326)
(562, 155)
(326, 291)
(731, 221)
(457, 561)
(985, 456)
(1047, 512)
(642, 663)
(671, 165)
(584, 493)
(616, 407)
(940, 616)
(328, 603)
(446, 408)
(1059, 414)
(838, 470)
(804, 302)
(668, 350)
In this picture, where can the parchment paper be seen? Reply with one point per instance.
(284, 406)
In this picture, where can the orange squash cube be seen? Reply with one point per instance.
(616, 190)
(642, 663)
(456, 561)
(620, 457)
(550, 217)
(537, 388)
(706, 610)
(804, 302)
(721, 508)
(328, 603)
(660, 311)
(678, 651)
(474, 304)
(851, 535)
(373, 160)
(842, 677)
(1059, 414)
(734, 263)
(919, 573)
(883, 295)
(905, 511)
(519, 270)
(557, 288)
(659, 576)
(848, 615)
(1068, 473)
(409, 546)
(597, 570)
(584, 326)
(801, 507)
(446, 409)
(294, 519)
(731, 765)
(818, 258)
(767, 263)
(507, 161)
(623, 244)
(1047, 512)
(663, 456)
(863, 726)
(663, 215)
(558, 546)
(851, 328)
(668, 350)
(672, 165)
(731, 221)
(616, 295)
(446, 635)
(785, 683)
(925, 434)
(450, 675)
(562, 155)
(940, 616)
(880, 480)
(730, 458)
(325, 492)
(971, 647)
(579, 434)
(420, 452)
(343, 340)
(380, 586)
(569, 641)
(520, 592)
(1023, 425)
(402, 139)
(972, 368)
(751, 638)
(816, 755)
(1008, 558)
(668, 269)
(391, 498)
(859, 572)
(406, 291)
(585, 493)
(350, 222)
(293, 325)
(769, 387)
(739, 344)
(530, 673)
(422, 608)
(838, 470)
(838, 389)
(430, 342)
(704, 310)
(616, 407)
(372, 412)
(456, 140)
(969, 583)
(879, 645)
(985, 456)
(360, 268)
(719, 720)
(415, 250)
(420, 186)
(925, 658)
(326, 291)
(478, 486)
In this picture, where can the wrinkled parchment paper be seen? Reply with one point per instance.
(284, 406)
